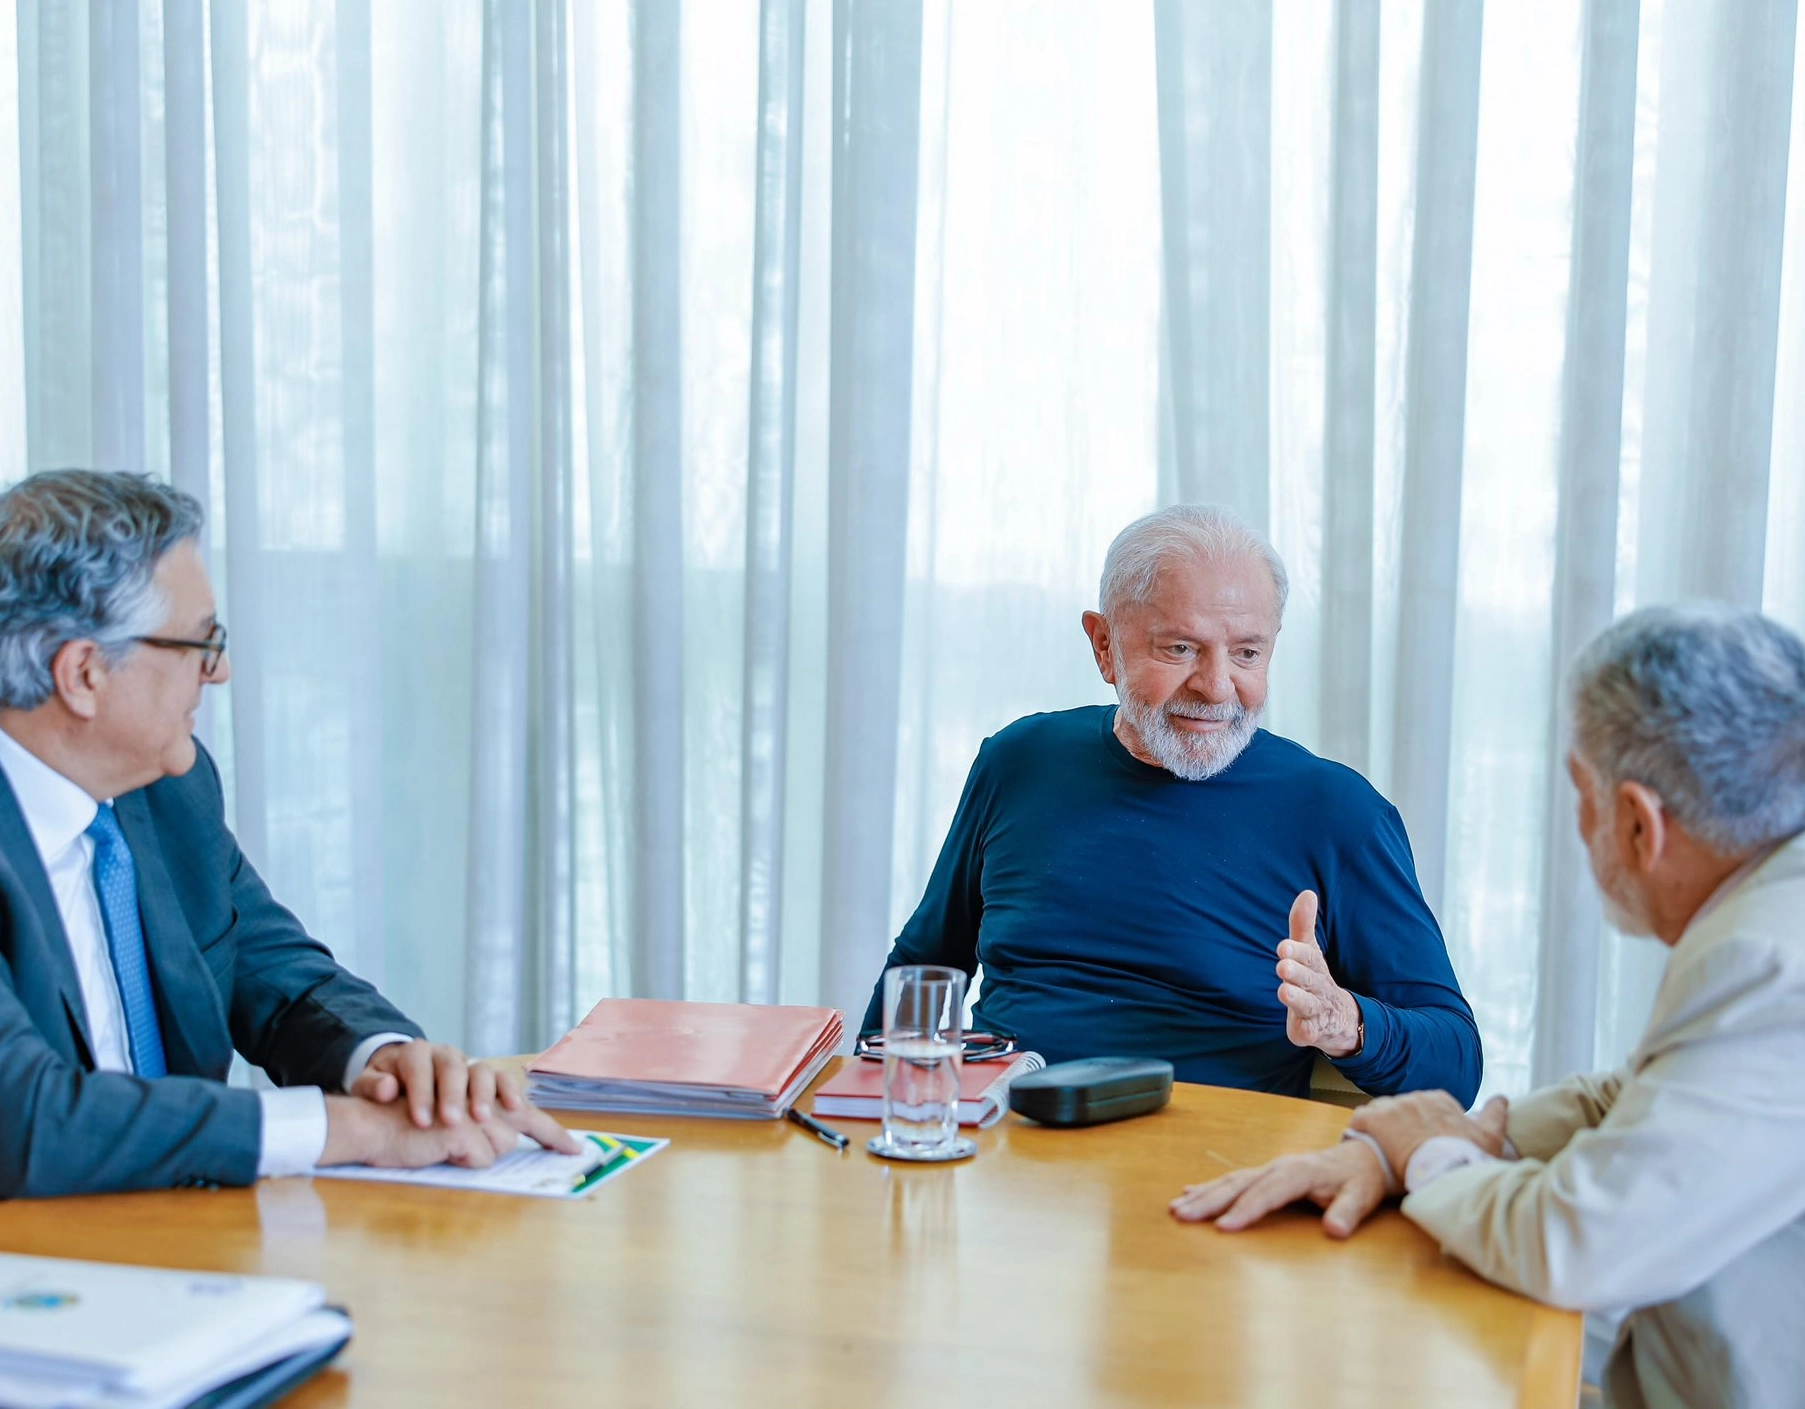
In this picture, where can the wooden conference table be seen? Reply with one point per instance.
(749, 1264)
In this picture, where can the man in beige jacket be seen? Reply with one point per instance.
(1673, 1189)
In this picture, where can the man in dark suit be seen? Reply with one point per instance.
(138, 946)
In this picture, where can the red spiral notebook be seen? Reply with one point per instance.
(856, 1090)
(650, 1056)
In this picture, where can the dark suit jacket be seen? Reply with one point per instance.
(231, 969)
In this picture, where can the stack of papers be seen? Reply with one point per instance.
(90, 1335)
(651, 1057)
(530, 1169)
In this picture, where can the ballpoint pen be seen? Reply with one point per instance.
(826, 1134)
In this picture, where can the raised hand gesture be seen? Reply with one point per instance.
(1319, 1012)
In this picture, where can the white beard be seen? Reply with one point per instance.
(1192, 757)
(1613, 885)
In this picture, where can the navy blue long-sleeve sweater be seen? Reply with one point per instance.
(1120, 910)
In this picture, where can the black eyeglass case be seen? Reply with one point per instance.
(1092, 1091)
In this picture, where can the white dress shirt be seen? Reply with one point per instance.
(58, 813)
(1443, 1154)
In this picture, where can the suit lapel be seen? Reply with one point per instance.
(196, 1037)
(57, 959)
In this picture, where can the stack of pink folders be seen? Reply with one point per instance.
(646, 1056)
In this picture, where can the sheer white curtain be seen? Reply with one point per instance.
(1428, 284)
(651, 445)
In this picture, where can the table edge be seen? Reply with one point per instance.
(1551, 1359)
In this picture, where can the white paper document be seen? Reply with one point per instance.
(87, 1335)
(531, 1169)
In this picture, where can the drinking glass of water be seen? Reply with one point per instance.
(924, 1024)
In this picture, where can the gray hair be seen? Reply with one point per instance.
(78, 549)
(1132, 566)
(1705, 706)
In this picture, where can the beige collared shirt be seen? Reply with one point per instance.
(1674, 1188)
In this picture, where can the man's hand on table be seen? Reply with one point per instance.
(1346, 1181)
(439, 1082)
(418, 1103)
(1319, 1012)
(1400, 1124)
(359, 1131)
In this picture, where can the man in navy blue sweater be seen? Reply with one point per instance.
(1138, 879)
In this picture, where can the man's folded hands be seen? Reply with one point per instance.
(1400, 1124)
(419, 1103)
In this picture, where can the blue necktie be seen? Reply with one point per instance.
(116, 882)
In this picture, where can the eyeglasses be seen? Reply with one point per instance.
(211, 649)
(975, 1046)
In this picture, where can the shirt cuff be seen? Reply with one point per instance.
(1439, 1155)
(294, 1130)
(363, 1051)
(1376, 1023)
(1391, 1179)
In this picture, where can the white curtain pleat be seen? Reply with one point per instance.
(185, 259)
(602, 97)
(116, 209)
(1714, 298)
(659, 930)
(805, 761)
(877, 104)
(1517, 316)
(770, 492)
(917, 815)
(363, 640)
(244, 586)
(1783, 593)
(1435, 397)
(1214, 67)
(501, 662)
(1591, 450)
(56, 233)
(1352, 377)
(12, 255)
(433, 392)
(549, 941)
